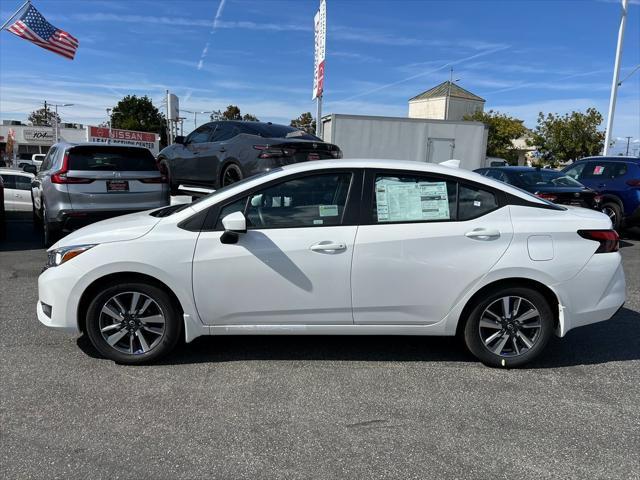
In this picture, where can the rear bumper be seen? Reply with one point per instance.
(593, 295)
(74, 219)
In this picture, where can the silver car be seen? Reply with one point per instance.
(81, 183)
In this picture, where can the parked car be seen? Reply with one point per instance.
(37, 159)
(80, 183)
(217, 154)
(617, 180)
(549, 184)
(365, 247)
(3, 220)
(17, 189)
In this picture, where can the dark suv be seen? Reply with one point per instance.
(221, 153)
(617, 179)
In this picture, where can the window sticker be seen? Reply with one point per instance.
(477, 203)
(598, 170)
(318, 222)
(328, 210)
(400, 201)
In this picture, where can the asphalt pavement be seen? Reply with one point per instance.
(312, 407)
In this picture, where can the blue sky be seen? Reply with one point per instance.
(521, 56)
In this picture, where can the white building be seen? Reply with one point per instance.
(447, 101)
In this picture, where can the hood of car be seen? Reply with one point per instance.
(117, 229)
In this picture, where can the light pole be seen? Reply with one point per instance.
(181, 120)
(56, 133)
(195, 117)
(446, 105)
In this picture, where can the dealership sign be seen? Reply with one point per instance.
(40, 136)
(123, 137)
(320, 33)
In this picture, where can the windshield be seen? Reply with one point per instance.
(278, 131)
(111, 158)
(546, 178)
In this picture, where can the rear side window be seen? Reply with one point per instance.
(596, 170)
(475, 202)
(276, 131)
(111, 159)
(23, 183)
(413, 198)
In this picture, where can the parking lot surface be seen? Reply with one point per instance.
(313, 407)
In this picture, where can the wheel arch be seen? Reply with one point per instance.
(223, 166)
(119, 277)
(610, 197)
(548, 293)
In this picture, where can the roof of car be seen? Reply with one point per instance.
(619, 158)
(519, 168)
(96, 144)
(15, 171)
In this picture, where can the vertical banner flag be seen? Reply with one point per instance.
(320, 33)
(32, 26)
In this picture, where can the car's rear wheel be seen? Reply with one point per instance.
(614, 212)
(509, 327)
(231, 174)
(50, 233)
(133, 323)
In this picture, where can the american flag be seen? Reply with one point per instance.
(34, 27)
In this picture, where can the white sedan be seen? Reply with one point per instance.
(345, 247)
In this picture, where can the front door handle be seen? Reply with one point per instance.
(484, 234)
(222, 150)
(328, 247)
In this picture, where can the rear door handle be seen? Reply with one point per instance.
(484, 234)
(328, 247)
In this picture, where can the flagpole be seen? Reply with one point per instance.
(14, 15)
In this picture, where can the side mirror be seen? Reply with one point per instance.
(30, 169)
(234, 224)
(181, 140)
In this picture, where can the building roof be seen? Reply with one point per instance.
(440, 91)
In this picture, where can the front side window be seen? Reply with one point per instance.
(575, 172)
(200, 134)
(413, 198)
(23, 183)
(313, 201)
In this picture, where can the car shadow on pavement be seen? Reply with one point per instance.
(613, 341)
(19, 233)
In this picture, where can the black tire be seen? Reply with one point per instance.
(37, 221)
(95, 321)
(510, 356)
(231, 174)
(50, 233)
(614, 212)
(165, 170)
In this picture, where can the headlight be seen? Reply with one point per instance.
(64, 254)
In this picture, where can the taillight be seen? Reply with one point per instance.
(61, 177)
(161, 179)
(546, 196)
(609, 239)
(634, 182)
(273, 152)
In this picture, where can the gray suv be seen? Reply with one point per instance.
(81, 183)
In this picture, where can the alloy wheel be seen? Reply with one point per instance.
(510, 326)
(611, 213)
(132, 323)
(232, 174)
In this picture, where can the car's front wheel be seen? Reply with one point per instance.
(133, 323)
(509, 327)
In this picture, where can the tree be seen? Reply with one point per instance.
(139, 113)
(232, 113)
(503, 129)
(43, 118)
(560, 139)
(305, 122)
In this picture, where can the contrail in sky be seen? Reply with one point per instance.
(205, 50)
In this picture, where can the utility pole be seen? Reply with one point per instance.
(628, 140)
(616, 76)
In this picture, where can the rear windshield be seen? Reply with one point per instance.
(277, 131)
(111, 158)
(546, 178)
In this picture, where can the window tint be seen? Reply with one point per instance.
(276, 131)
(23, 183)
(546, 178)
(200, 134)
(48, 160)
(313, 201)
(225, 131)
(574, 172)
(9, 180)
(413, 198)
(237, 206)
(111, 159)
(498, 175)
(602, 170)
(474, 202)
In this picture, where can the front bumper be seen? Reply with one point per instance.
(55, 293)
